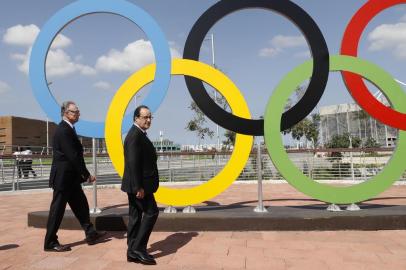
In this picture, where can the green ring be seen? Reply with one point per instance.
(356, 193)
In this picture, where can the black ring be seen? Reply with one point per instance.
(317, 46)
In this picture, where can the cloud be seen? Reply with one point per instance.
(303, 54)
(280, 42)
(102, 85)
(269, 52)
(134, 56)
(23, 59)
(25, 35)
(391, 37)
(59, 63)
(4, 87)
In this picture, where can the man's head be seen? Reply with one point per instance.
(143, 117)
(70, 112)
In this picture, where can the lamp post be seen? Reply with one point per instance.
(47, 136)
(48, 128)
(211, 38)
(402, 83)
(161, 138)
(135, 99)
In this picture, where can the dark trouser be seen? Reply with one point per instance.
(27, 168)
(77, 201)
(19, 168)
(143, 214)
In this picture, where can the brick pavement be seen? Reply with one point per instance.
(21, 246)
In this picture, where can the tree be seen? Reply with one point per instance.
(308, 127)
(371, 143)
(343, 141)
(197, 124)
(230, 138)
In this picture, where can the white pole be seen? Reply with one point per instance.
(260, 207)
(48, 84)
(161, 135)
(212, 49)
(402, 83)
(215, 92)
(95, 209)
(349, 134)
(47, 136)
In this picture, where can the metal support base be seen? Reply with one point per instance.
(189, 210)
(333, 208)
(95, 211)
(353, 207)
(260, 209)
(170, 210)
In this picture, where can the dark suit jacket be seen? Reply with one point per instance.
(68, 166)
(140, 169)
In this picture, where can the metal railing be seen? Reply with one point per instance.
(319, 164)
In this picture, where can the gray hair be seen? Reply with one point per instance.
(65, 106)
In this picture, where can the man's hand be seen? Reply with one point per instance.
(91, 178)
(140, 194)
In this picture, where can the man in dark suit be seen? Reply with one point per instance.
(68, 171)
(140, 181)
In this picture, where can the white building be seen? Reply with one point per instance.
(350, 118)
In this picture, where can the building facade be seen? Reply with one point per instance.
(350, 118)
(19, 131)
(166, 146)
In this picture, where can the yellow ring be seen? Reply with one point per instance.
(204, 72)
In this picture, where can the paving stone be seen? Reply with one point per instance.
(21, 246)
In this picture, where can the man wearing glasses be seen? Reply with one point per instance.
(140, 181)
(68, 171)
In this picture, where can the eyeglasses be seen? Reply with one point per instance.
(146, 117)
(74, 112)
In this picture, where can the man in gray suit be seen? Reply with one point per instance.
(140, 181)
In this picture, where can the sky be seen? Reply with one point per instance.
(255, 48)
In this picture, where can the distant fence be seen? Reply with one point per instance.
(320, 164)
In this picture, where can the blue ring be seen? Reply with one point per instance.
(80, 8)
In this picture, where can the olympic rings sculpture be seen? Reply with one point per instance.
(240, 121)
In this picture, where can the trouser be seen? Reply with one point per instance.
(19, 164)
(27, 168)
(77, 201)
(143, 214)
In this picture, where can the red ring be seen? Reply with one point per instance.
(355, 84)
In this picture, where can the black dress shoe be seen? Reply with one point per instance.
(132, 259)
(58, 248)
(139, 256)
(146, 253)
(150, 256)
(92, 238)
